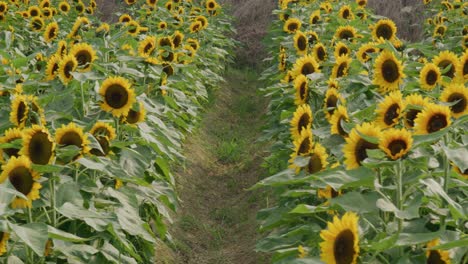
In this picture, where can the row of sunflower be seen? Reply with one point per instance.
(369, 163)
(93, 115)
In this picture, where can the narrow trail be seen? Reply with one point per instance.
(216, 221)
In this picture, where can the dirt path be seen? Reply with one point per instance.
(216, 221)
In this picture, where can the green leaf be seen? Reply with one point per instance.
(68, 192)
(410, 239)
(308, 209)
(458, 156)
(357, 202)
(432, 137)
(340, 178)
(47, 168)
(14, 260)
(462, 242)
(93, 165)
(64, 236)
(385, 243)
(76, 253)
(113, 255)
(434, 188)
(34, 235)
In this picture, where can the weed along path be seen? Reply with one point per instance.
(216, 221)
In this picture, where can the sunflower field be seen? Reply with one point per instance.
(93, 115)
(369, 161)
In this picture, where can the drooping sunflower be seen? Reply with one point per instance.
(118, 96)
(365, 50)
(9, 136)
(341, 49)
(333, 83)
(21, 175)
(3, 242)
(51, 31)
(348, 33)
(356, 146)
(301, 85)
(331, 101)
(390, 110)
(135, 116)
(448, 62)
(146, 46)
(432, 119)
(72, 134)
(19, 111)
(85, 55)
(345, 12)
(341, 240)
(339, 115)
(341, 66)
(303, 144)
(36, 24)
(414, 104)
(38, 145)
(436, 255)
(67, 65)
(396, 142)
(305, 65)
(456, 92)
(52, 67)
(388, 72)
(384, 28)
(194, 43)
(292, 25)
(302, 119)
(429, 76)
(300, 42)
(320, 52)
(104, 27)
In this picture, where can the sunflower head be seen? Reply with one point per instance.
(118, 96)
(314, 18)
(51, 31)
(37, 24)
(414, 104)
(38, 145)
(385, 29)
(356, 146)
(67, 65)
(365, 50)
(388, 72)
(348, 33)
(462, 69)
(301, 85)
(303, 143)
(390, 110)
(456, 93)
(429, 76)
(3, 242)
(396, 142)
(52, 67)
(292, 25)
(300, 42)
(9, 136)
(448, 62)
(19, 111)
(341, 66)
(436, 255)
(346, 13)
(135, 116)
(318, 159)
(125, 18)
(331, 102)
(177, 38)
(341, 240)
(71, 134)
(432, 119)
(340, 115)
(302, 120)
(341, 49)
(64, 7)
(320, 52)
(103, 129)
(84, 55)
(305, 65)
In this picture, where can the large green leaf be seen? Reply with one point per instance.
(65, 236)
(434, 188)
(357, 202)
(458, 156)
(34, 235)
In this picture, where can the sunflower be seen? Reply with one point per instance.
(341, 240)
(125, 18)
(3, 7)
(104, 27)
(36, 24)
(303, 143)
(67, 65)
(79, 7)
(341, 66)
(195, 27)
(72, 134)
(118, 96)
(21, 175)
(61, 48)
(177, 39)
(356, 146)
(345, 12)
(151, 2)
(302, 119)
(103, 129)
(429, 76)
(64, 7)
(384, 28)
(133, 28)
(305, 65)
(456, 92)
(162, 25)
(130, 2)
(346, 33)
(312, 37)
(292, 25)
(388, 72)
(365, 50)
(282, 61)
(439, 31)
(51, 31)
(339, 115)
(301, 85)
(3, 242)
(361, 3)
(462, 173)
(104, 143)
(390, 110)
(9, 136)
(326, 6)
(318, 159)
(203, 20)
(320, 52)
(85, 55)
(38, 116)
(333, 83)
(414, 103)
(19, 111)
(194, 43)
(448, 62)
(34, 11)
(135, 116)
(332, 98)
(465, 42)
(341, 49)
(462, 69)
(395, 142)
(146, 47)
(432, 119)
(314, 18)
(436, 255)
(38, 145)
(300, 42)
(52, 67)
(211, 5)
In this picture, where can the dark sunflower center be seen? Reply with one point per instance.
(34, 13)
(396, 146)
(54, 68)
(211, 5)
(431, 77)
(345, 14)
(411, 116)
(148, 47)
(392, 112)
(169, 56)
(168, 69)
(21, 112)
(165, 42)
(71, 138)
(315, 19)
(304, 147)
(125, 19)
(465, 67)
(344, 247)
(21, 179)
(132, 116)
(341, 130)
(2, 8)
(116, 96)
(302, 91)
(444, 64)
(52, 33)
(68, 69)
(384, 31)
(162, 26)
(343, 51)
(37, 24)
(361, 3)
(390, 71)
(40, 148)
(64, 8)
(292, 26)
(177, 40)
(79, 8)
(304, 121)
(341, 70)
(105, 146)
(302, 43)
(436, 123)
(83, 57)
(461, 105)
(441, 30)
(435, 258)
(346, 34)
(308, 68)
(321, 53)
(331, 104)
(315, 164)
(1, 235)
(360, 150)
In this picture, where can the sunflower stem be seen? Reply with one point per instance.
(52, 201)
(83, 103)
(446, 164)
(399, 198)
